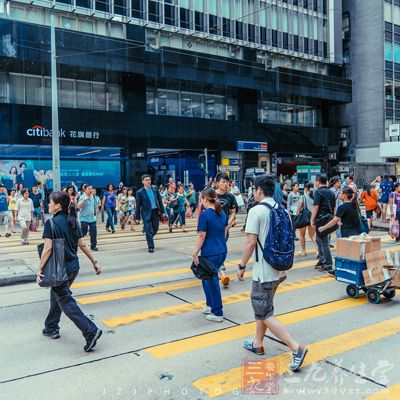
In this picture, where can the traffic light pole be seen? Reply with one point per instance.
(55, 140)
(206, 162)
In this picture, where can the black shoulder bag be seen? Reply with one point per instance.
(55, 273)
(304, 217)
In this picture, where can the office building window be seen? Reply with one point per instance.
(169, 13)
(36, 90)
(101, 5)
(199, 21)
(239, 30)
(274, 38)
(214, 28)
(252, 33)
(185, 18)
(190, 100)
(288, 114)
(226, 27)
(137, 9)
(154, 11)
(263, 35)
(120, 7)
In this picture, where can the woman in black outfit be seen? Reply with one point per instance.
(66, 227)
(347, 213)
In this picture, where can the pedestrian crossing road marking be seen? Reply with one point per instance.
(231, 380)
(128, 278)
(237, 332)
(185, 308)
(156, 289)
(390, 393)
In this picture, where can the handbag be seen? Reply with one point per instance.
(324, 219)
(394, 229)
(304, 217)
(55, 273)
(364, 228)
(204, 270)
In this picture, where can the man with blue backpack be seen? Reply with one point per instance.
(270, 236)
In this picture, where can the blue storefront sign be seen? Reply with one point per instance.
(258, 147)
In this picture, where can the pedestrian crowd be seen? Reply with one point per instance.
(275, 214)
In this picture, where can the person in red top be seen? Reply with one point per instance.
(370, 198)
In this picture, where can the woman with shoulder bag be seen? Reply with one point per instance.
(306, 204)
(211, 242)
(347, 214)
(64, 225)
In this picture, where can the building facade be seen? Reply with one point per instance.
(146, 86)
(371, 34)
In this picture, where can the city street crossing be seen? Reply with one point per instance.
(157, 344)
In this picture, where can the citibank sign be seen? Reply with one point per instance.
(40, 131)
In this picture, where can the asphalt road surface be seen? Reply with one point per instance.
(157, 344)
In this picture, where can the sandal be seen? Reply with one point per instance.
(248, 345)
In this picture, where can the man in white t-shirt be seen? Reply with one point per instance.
(265, 278)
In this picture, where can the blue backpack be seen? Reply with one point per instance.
(278, 250)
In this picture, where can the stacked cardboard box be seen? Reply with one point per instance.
(357, 247)
(381, 267)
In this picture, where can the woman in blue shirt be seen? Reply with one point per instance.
(211, 242)
(109, 203)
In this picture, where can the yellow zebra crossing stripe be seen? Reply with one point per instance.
(185, 308)
(230, 380)
(390, 393)
(237, 332)
(157, 289)
(134, 277)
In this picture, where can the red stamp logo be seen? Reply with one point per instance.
(260, 376)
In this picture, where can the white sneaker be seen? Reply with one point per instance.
(207, 310)
(215, 318)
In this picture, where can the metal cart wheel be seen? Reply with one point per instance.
(373, 296)
(352, 291)
(389, 294)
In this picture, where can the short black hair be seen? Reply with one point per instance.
(348, 176)
(222, 175)
(20, 165)
(145, 176)
(322, 178)
(266, 183)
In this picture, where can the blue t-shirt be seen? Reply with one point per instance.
(3, 202)
(152, 198)
(110, 199)
(87, 212)
(36, 199)
(214, 225)
(387, 187)
(180, 203)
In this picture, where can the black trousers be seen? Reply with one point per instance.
(61, 300)
(92, 227)
(151, 227)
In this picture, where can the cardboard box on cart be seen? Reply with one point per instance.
(381, 258)
(375, 276)
(357, 247)
(395, 278)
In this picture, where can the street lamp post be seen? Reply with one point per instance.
(55, 141)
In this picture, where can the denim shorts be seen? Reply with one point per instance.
(262, 298)
(4, 216)
(37, 212)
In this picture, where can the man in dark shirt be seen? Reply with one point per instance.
(229, 207)
(149, 208)
(324, 204)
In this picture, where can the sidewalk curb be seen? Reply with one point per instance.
(13, 280)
